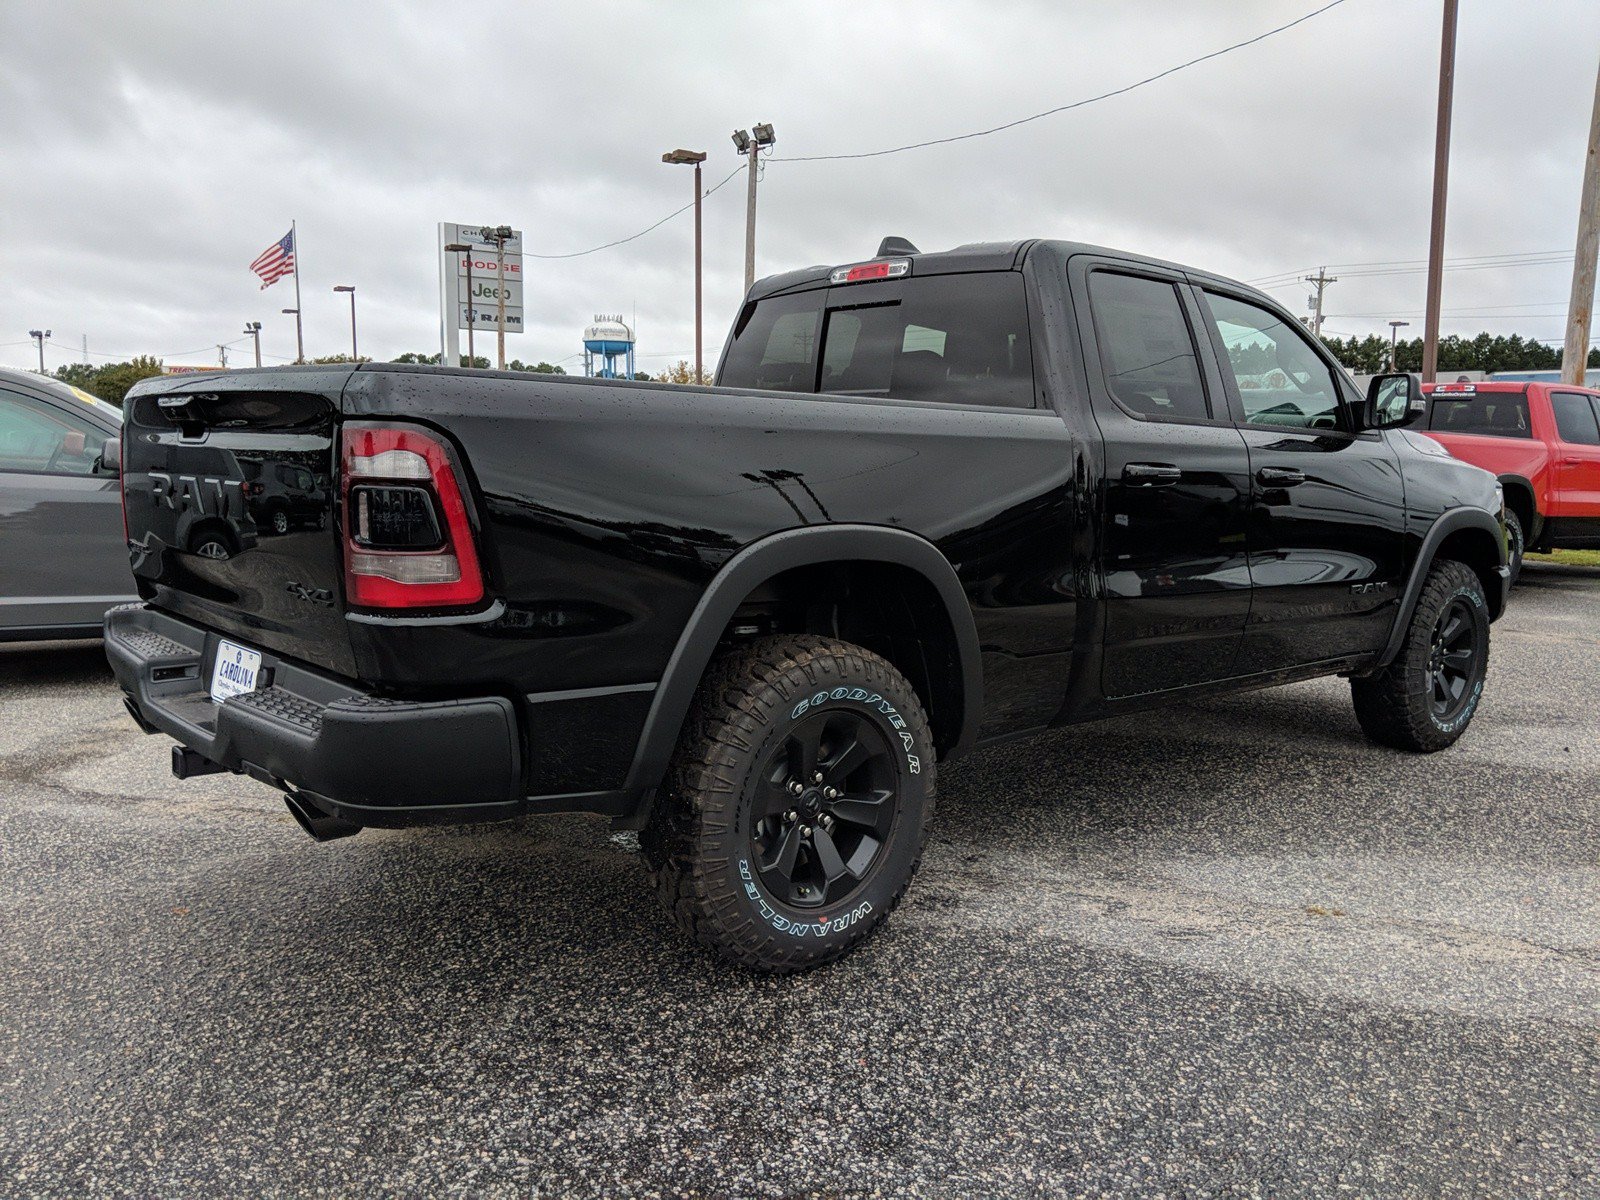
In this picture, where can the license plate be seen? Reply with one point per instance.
(235, 672)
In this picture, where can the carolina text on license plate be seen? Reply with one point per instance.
(235, 672)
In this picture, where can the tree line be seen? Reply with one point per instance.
(1363, 356)
(1487, 352)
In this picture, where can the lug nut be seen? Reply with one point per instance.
(795, 787)
(816, 777)
(805, 831)
(790, 815)
(831, 793)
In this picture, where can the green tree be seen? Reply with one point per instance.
(112, 381)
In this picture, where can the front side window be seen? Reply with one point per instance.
(39, 438)
(1490, 414)
(1146, 349)
(1282, 381)
(1575, 420)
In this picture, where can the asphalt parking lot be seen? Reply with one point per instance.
(1230, 949)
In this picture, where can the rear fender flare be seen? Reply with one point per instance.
(753, 566)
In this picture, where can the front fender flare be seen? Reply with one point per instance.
(754, 565)
(1451, 521)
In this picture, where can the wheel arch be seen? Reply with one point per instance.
(1471, 536)
(1523, 500)
(955, 719)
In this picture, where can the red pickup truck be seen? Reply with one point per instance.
(1542, 441)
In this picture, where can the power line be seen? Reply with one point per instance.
(648, 229)
(1402, 265)
(1050, 112)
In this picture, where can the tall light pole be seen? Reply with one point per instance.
(40, 336)
(253, 328)
(695, 157)
(1394, 343)
(1580, 312)
(500, 235)
(1441, 174)
(351, 288)
(472, 315)
(295, 313)
(751, 143)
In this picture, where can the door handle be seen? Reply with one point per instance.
(1572, 461)
(1279, 477)
(1151, 474)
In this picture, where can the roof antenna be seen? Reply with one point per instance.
(891, 246)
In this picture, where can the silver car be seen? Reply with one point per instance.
(63, 556)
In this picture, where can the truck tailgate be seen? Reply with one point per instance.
(229, 488)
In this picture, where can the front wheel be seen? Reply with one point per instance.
(1516, 544)
(1425, 699)
(795, 810)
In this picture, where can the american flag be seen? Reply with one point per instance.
(276, 261)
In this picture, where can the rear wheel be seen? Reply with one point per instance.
(795, 810)
(1425, 699)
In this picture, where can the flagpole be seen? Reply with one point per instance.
(299, 338)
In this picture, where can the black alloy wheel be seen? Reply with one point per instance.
(1452, 661)
(824, 809)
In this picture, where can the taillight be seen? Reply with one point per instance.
(407, 537)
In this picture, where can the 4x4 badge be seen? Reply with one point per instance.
(321, 596)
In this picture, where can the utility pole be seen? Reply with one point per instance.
(1321, 279)
(253, 328)
(1580, 312)
(40, 336)
(222, 355)
(751, 143)
(694, 158)
(499, 235)
(1441, 175)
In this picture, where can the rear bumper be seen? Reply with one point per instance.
(362, 758)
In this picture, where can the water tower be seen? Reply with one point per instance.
(604, 342)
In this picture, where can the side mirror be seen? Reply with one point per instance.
(110, 460)
(1394, 400)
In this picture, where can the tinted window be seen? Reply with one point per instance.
(958, 339)
(1575, 419)
(41, 439)
(1494, 414)
(1146, 349)
(775, 345)
(1282, 381)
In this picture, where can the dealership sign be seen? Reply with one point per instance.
(472, 283)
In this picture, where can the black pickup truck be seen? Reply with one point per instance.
(935, 500)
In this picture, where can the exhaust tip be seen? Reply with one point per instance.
(317, 824)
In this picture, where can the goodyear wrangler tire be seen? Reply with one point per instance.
(1425, 699)
(796, 806)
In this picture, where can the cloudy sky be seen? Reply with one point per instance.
(153, 150)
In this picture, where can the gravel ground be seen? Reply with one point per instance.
(1227, 949)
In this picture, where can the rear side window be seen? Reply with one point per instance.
(1146, 349)
(955, 339)
(1575, 419)
(1492, 414)
(775, 345)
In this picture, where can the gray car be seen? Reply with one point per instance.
(63, 557)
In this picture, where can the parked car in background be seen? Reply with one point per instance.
(1542, 441)
(63, 552)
